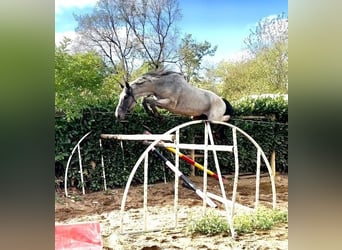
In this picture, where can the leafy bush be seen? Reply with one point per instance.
(120, 157)
(79, 80)
(268, 106)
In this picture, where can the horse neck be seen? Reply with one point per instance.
(141, 90)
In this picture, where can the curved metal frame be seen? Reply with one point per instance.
(77, 146)
(230, 214)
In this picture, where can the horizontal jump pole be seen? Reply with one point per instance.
(197, 146)
(228, 202)
(138, 137)
(187, 159)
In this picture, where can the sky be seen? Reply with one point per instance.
(225, 23)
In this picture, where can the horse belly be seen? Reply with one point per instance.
(192, 107)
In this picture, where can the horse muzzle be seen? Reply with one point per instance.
(120, 116)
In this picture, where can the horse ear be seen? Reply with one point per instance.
(121, 85)
(127, 84)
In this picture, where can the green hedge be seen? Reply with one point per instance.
(120, 157)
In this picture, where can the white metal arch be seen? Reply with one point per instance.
(78, 147)
(223, 199)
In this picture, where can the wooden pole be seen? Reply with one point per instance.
(192, 155)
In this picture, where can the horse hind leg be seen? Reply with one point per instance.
(216, 117)
(200, 117)
(225, 118)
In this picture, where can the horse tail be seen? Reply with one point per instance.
(219, 135)
(229, 108)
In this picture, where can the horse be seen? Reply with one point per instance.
(170, 91)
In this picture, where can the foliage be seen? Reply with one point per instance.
(191, 54)
(210, 224)
(268, 106)
(271, 134)
(264, 70)
(82, 80)
(78, 78)
(269, 42)
(268, 32)
(262, 219)
(120, 157)
(255, 76)
(240, 78)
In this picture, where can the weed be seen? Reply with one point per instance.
(210, 224)
(262, 219)
(59, 199)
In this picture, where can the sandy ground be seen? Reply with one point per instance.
(104, 207)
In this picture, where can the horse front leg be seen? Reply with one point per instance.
(164, 103)
(150, 106)
(150, 103)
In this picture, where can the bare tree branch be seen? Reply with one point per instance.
(129, 33)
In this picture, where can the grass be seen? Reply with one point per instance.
(59, 199)
(262, 219)
(210, 224)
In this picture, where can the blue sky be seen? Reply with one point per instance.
(224, 23)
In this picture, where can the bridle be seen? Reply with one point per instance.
(129, 92)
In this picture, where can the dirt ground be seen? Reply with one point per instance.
(104, 207)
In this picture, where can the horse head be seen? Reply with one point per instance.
(126, 101)
(130, 93)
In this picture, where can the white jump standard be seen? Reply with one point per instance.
(208, 145)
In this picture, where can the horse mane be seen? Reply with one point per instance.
(161, 72)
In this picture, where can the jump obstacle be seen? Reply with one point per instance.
(177, 145)
(174, 146)
(188, 160)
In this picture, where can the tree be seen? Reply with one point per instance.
(128, 32)
(153, 24)
(78, 80)
(268, 33)
(270, 41)
(244, 78)
(191, 54)
(265, 71)
(105, 30)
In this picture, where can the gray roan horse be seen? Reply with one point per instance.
(169, 90)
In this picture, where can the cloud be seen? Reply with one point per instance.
(269, 17)
(232, 57)
(60, 35)
(65, 4)
(239, 56)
